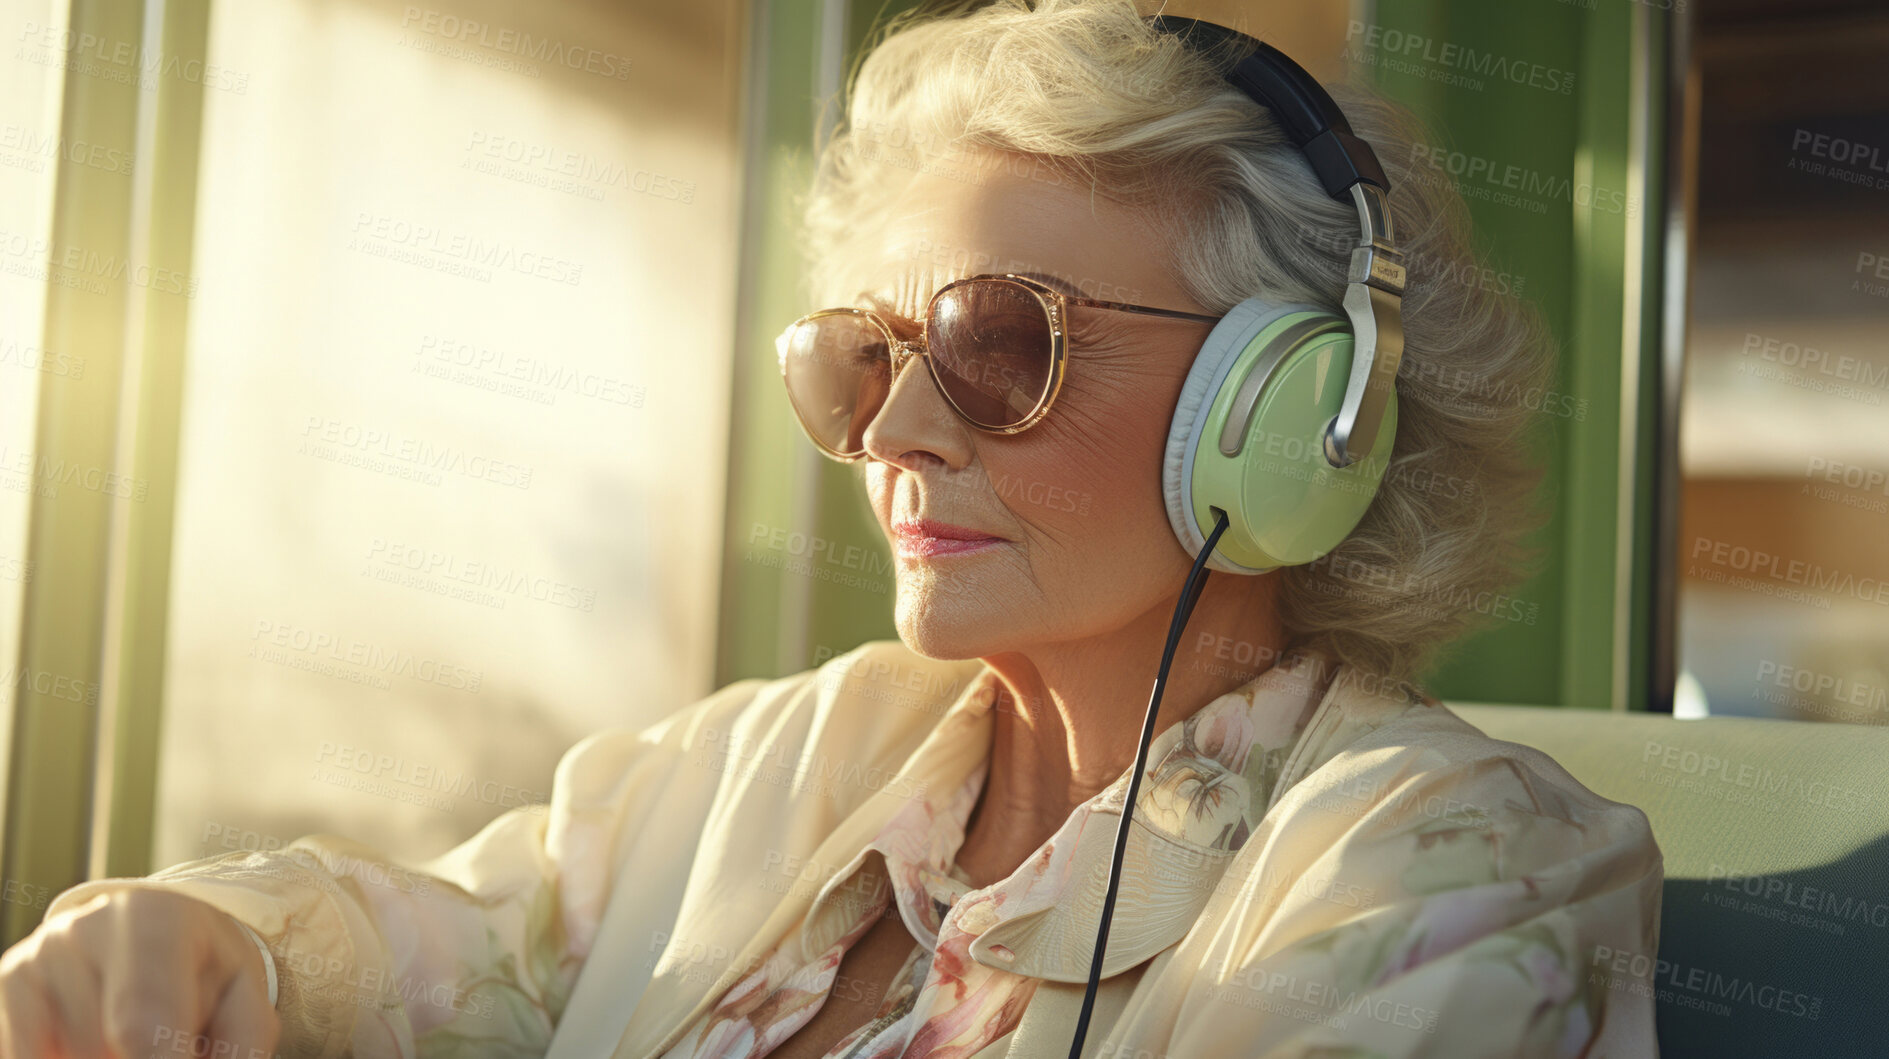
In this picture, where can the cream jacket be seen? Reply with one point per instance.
(1396, 884)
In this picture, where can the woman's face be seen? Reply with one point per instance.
(1083, 543)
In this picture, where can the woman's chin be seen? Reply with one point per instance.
(945, 626)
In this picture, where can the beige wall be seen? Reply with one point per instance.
(455, 414)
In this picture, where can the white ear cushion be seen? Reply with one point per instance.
(1212, 364)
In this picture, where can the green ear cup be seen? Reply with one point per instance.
(1285, 504)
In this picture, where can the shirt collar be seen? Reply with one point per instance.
(1209, 779)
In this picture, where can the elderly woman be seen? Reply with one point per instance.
(1098, 324)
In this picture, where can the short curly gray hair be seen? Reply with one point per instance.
(1088, 92)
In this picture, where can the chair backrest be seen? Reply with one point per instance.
(1774, 933)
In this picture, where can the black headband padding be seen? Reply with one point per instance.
(1301, 106)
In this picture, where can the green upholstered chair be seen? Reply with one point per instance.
(1774, 933)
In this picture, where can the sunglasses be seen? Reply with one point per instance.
(995, 345)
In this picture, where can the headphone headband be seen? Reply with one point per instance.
(1297, 101)
(1347, 167)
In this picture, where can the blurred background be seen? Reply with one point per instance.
(388, 397)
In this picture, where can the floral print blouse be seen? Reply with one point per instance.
(1316, 868)
(1208, 779)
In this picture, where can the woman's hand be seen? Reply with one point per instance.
(134, 974)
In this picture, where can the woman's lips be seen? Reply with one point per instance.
(927, 547)
(924, 538)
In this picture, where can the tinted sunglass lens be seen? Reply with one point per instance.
(992, 349)
(838, 372)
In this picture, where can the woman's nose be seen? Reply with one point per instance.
(915, 417)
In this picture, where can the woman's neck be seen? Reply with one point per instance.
(1069, 715)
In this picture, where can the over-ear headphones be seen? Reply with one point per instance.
(1263, 430)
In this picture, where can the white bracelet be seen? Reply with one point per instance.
(268, 958)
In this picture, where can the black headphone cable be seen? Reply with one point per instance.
(1190, 594)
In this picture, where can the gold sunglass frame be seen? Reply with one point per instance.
(1055, 305)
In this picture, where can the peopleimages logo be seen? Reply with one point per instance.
(284, 643)
(456, 253)
(54, 473)
(1771, 567)
(76, 266)
(1841, 690)
(512, 42)
(1415, 48)
(420, 776)
(1840, 366)
(1677, 985)
(33, 358)
(1795, 894)
(1519, 186)
(26, 681)
(1714, 776)
(1415, 587)
(798, 767)
(565, 170)
(496, 577)
(33, 149)
(123, 61)
(1841, 151)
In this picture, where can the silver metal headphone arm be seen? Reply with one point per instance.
(1374, 295)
